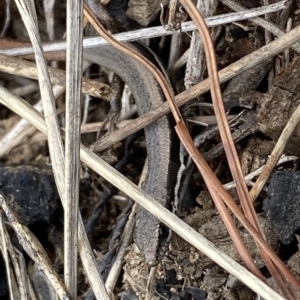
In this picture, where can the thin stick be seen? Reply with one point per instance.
(154, 31)
(268, 26)
(73, 108)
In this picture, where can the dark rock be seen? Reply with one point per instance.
(163, 288)
(171, 277)
(283, 205)
(30, 191)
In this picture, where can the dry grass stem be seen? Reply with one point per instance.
(34, 249)
(276, 153)
(127, 234)
(4, 247)
(268, 26)
(72, 142)
(154, 31)
(283, 159)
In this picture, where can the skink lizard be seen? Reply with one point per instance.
(151, 236)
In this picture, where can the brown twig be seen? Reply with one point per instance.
(157, 74)
(227, 140)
